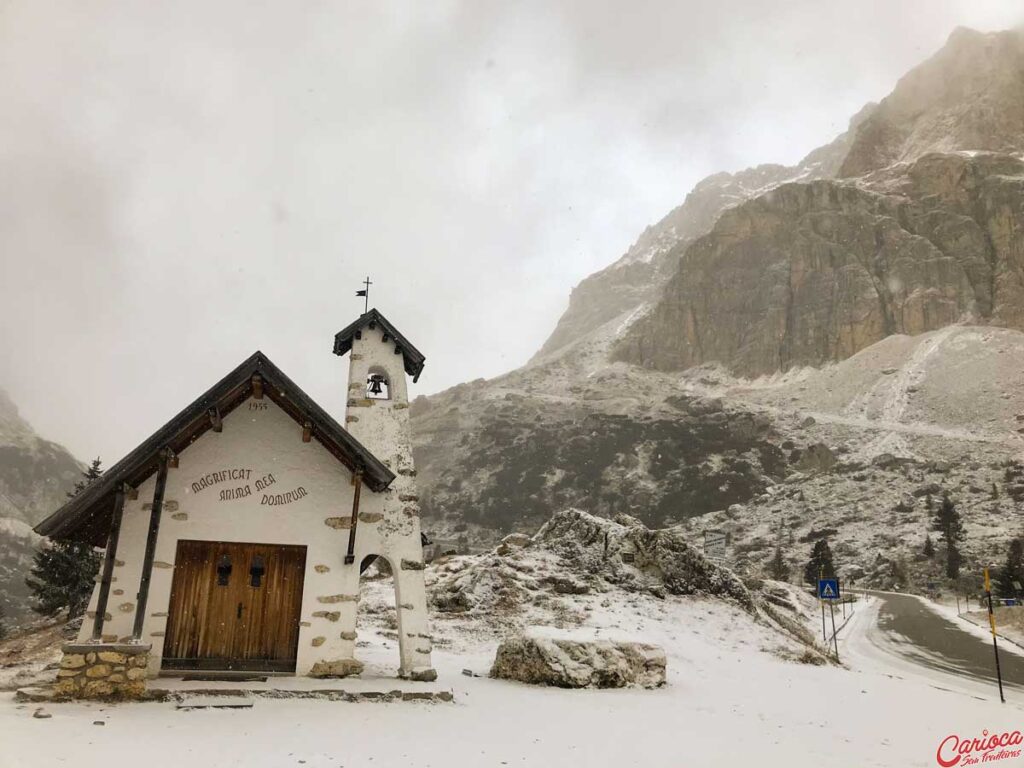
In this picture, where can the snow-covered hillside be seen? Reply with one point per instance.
(35, 475)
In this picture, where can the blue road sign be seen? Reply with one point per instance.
(828, 589)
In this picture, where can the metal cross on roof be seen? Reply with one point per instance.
(365, 293)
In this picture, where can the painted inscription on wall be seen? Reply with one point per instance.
(240, 483)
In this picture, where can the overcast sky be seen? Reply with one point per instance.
(183, 183)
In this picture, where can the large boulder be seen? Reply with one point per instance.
(543, 658)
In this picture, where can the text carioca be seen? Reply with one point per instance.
(953, 749)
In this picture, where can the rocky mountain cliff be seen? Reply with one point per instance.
(640, 275)
(810, 273)
(926, 234)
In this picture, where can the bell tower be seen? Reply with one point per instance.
(377, 415)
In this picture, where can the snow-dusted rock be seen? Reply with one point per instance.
(576, 553)
(545, 658)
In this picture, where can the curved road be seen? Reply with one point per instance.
(925, 637)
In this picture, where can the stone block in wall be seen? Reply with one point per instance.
(102, 671)
(337, 668)
(348, 635)
(411, 565)
(329, 615)
(337, 598)
(422, 674)
(370, 517)
(168, 506)
(338, 523)
(321, 568)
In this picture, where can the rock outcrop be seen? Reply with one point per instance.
(578, 553)
(544, 658)
(640, 275)
(811, 273)
(968, 96)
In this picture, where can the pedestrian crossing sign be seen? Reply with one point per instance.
(828, 589)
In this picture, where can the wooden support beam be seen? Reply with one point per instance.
(172, 459)
(150, 554)
(108, 564)
(385, 338)
(257, 386)
(131, 493)
(372, 324)
(357, 481)
(215, 421)
(359, 334)
(398, 350)
(307, 432)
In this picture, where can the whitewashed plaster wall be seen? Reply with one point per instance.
(383, 427)
(261, 439)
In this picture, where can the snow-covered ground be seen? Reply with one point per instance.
(727, 703)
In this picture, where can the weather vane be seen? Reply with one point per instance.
(365, 293)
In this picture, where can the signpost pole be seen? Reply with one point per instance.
(835, 639)
(844, 605)
(992, 624)
(821, 575)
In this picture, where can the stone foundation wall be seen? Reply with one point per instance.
(102, 671)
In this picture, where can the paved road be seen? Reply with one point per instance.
(927, 638)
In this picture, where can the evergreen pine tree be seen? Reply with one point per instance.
(929, 548)
(1012, 570)
(820, 565)
(951, 531)
(778, 568)
(63, 573)
(995, 491)
(3, 623)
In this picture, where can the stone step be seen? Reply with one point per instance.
(215, 702)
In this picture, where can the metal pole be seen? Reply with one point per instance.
(992, 624)
(821, 575)
(835, 639)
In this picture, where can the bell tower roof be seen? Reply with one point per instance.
(413, 358)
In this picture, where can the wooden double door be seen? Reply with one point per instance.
(235, 607)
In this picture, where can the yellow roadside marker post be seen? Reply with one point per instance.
(992, 624)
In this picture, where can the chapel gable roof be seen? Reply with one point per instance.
(86, 517)
(414, 359)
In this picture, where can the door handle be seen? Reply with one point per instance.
(239, 615)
